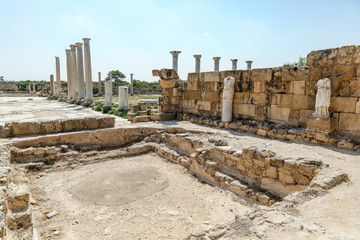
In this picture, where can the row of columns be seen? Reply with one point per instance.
(131, 83)
(79, 84)
(33, 87)
(197, 57)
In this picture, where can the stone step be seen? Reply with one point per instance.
(137, 119)
(88, 148)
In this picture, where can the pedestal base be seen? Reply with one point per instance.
(322, 124)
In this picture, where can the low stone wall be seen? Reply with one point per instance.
(37, 128)
(281, 95)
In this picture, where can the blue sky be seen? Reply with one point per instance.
(136, 36)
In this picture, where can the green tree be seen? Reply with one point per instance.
(118, 77)
(300, 63)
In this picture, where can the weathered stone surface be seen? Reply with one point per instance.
(345, 55)
(26, 128)
(280, 114)
(210, 77)
(322, 57)
(168, 83)
(204, 105)
(349, 122)
(165, 74)
(245, 109)
(343, 72)
(264, 74)
(343, 104)
(322, 124)
(297, 87)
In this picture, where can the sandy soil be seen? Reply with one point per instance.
(154, 200)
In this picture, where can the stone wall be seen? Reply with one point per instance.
(281, 95)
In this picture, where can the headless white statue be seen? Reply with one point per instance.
(228, 95)
(322, 103)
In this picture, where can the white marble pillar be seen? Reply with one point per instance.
(80, 71)
(99, 83)
(88, 77)
(73, 72)
(52, 84)
(108, 92)
(58, 81)
(197, 63)
(216, 63)
(234, 64)
(131, 84)
(175, 60)
(34, 87)
(248, 64)
(123, 98)
(29, 87)
(228, 95)
(69, 83)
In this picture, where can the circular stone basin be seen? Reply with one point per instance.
(119, 186)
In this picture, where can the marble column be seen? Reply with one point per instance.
(29, 87)
(51, 84)
(248, 64)
(58, 81)
(80, 71)
(131, 84)
(69, 83)
(197, 63)
(88, 77)
(216, 63)
(175, 60)
(34, 87)
(73, 72)
(228, 96)
(108, 92)
(234, 64)
(99, 83)
(123, 98)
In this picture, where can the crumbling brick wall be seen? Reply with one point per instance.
(282, 95)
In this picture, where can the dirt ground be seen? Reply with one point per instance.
(143, 197)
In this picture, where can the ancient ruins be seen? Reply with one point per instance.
(269, 153)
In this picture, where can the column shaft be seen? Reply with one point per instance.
(80, 71)
(216, 63)
(51, 84)
(69, 83)
(197, 63)
(99, 83)
(88, 77)
(73, 72)
(58, 81)
(131, 84)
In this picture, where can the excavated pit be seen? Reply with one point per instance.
(90, 179)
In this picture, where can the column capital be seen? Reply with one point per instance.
(216, 58)
(78, 44)
(86, 40)
(197, 56)
(131, 74)
(248, 62)
(57, 58)
(67, 51)
(234, 60)
(175, 53)
(72, 47)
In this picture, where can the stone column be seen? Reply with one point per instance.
(234, 64)
(58, 81)
(69, 83)
(88, 77)
(34, 87)
(131, 84)
(197, 63)
(29, 87)
(216, 63)
(99, 82)
(51, 84)
(228, 95)
(108, 92)
(123, 98)
(248, 64)
(73, 72)
(175, 60)
(80, 71)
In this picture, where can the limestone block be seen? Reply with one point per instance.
(358, 71)
(203, 105)
(258, 98)
(168, 83)
(322, 57)
(357, 55)
(192, 95)
(355, 88)
(295, 101)
(260, 112)
(272, 172)
(357, 109)
(245, 109)
(280, 114)
(177, 92)
(259, 87)
(343, 104)
(192, 85)
(165, 74)
(163, 117)
(297, 87)
(343, 72)
(210, 96)
(209, 87)
(345, 55)
(288, 74)
(236, 74)
(193, 77)
(304, 114)
(302, 74)
(262, 74)
(39, 152)
(210, 77)
(322, 124)
(349, 122)
(315, 73)
(26, 128)
(310, 87)
(242, 97)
